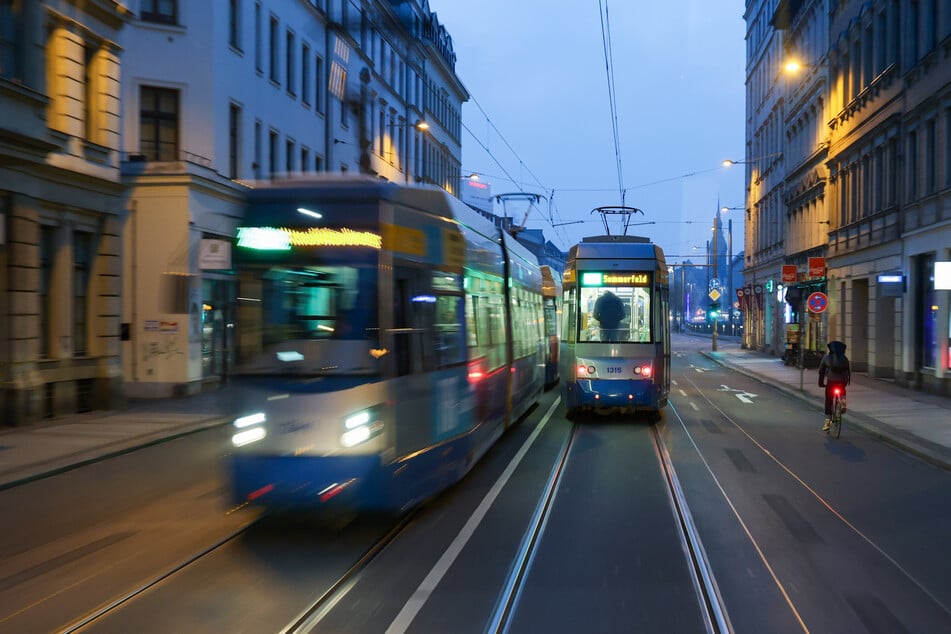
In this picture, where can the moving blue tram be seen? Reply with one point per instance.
(615, 348)
(387, 336)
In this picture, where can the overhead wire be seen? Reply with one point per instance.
(612, 93)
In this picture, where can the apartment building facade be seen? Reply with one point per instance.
(131, 131)
(867, 159)
(218, 95)
(60, 207)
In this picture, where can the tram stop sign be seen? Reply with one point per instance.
(817, 302)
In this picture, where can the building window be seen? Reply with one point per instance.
(319, 84)
(272, 153)
(257, 150)
(947, 147)
(305, 74)
(931, 152)
(289, 156)
(234, 140)
(318, 163)
(82, 260)
(159, 123)
(11, 45)
(304, 159)
(164, 11)
(289, 62)
(234, 23)
(257, 37)
(275, 61)
(91, 87)
(382, 131)
(912, 166)
(47, 258)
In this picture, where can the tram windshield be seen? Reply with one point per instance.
(615, 307)
(313, 319)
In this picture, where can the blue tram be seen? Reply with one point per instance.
(615, 350)
(387, 335)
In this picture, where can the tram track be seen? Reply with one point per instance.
(128, 598)
(709, 599)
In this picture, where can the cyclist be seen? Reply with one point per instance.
(834, 371)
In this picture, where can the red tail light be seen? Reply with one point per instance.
(476, 373)
(836, 391)
(582, 370)
(646, 370)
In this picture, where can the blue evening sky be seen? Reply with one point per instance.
(537, 68)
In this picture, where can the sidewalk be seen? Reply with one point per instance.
(916, 422)
(37, 451)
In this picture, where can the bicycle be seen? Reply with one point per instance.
(835, 428)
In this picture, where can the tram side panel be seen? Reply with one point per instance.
(383, 415)
(526, 321)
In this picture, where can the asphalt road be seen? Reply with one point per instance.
(803, 533)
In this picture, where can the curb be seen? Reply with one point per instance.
(130, 445)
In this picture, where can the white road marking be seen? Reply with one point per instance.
(425, 589)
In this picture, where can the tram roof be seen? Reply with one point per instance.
(616, 248)
(356, 187)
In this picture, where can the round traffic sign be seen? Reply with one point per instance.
(818, 302)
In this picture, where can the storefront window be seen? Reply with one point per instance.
(928, 342)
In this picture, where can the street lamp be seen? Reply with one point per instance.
(729, 162)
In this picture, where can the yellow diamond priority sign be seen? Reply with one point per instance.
(714, 294)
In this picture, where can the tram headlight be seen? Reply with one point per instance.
(361, 426)
(250, 429)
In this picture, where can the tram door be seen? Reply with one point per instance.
(664, 295)
(412, 358)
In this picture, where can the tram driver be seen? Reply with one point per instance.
(609, 311)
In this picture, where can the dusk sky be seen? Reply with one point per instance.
(538, 71)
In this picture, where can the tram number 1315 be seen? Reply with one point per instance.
(615, 370)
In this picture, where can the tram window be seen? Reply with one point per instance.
(569, 327)
(315, 303)
(625, 314)
(472, 339)
(496, 328)
(450, 339)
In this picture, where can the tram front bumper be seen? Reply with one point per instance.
(612, 393)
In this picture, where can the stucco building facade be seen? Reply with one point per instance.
(866, 159)
(60, 208)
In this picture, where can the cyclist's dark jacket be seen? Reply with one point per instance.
(834, 367)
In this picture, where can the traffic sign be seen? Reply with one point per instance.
(714, 294)
(818, 302)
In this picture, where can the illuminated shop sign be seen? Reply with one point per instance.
(284, 239)
(615, 279)
(890, 284)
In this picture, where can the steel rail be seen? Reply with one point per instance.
(117, 603)
(714, 611)
(526, 552)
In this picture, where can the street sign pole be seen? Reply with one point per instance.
(716, 319)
